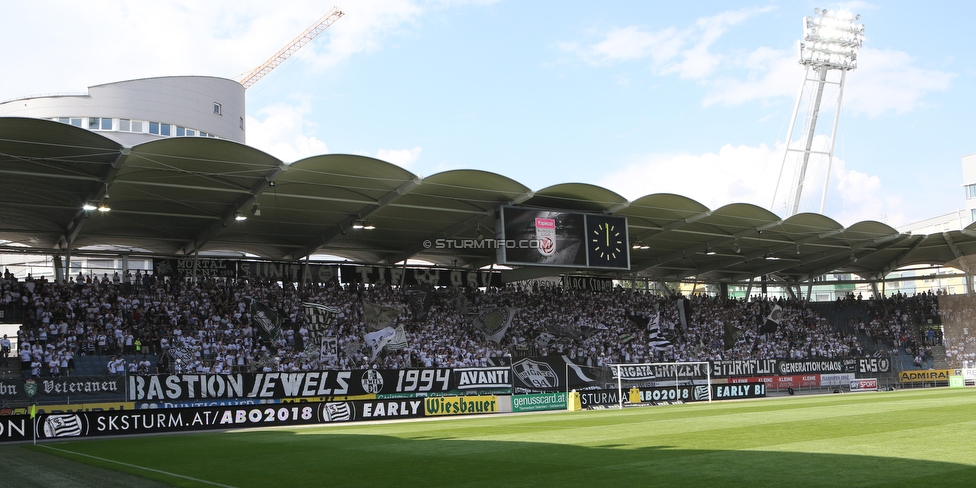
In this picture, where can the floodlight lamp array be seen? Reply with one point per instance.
(831, 41)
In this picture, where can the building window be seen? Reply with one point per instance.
(99, 123)
(136, 126)
(64, 120)
(970, 191)
(76, 121)
(154, 128)
(217, 110)
(191, 133)
(180, 131)
(164, 129)
(124, 125)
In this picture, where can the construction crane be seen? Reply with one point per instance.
(252, 77)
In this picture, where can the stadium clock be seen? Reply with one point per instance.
(606, 242)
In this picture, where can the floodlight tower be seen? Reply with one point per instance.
(830, 42)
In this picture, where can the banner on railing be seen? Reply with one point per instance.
(941, 375)
(464, 405)
(538, 402)
(864, 384)
(381, 383)
(77, 388)
(779, 382)
(420, 276)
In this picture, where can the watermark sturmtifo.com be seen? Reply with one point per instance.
(488, 243)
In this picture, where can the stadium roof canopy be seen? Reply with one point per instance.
(178, 196)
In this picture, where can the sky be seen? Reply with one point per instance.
(691, 98)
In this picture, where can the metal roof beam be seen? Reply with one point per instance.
(230, 212)
(74, 227)
(956, 252)
(677, 224)
(346, 223)
(446, 234)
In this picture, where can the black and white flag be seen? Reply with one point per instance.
(268, 321)
(655, 340)
(379, 316)
(377, 340)
(684, 312)
(320, 322)
(419, 300)
(494, 322)
(732, 335)
(399, 339)
(772, 321)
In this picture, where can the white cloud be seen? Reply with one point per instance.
(84, 41)
(744, 174)
(403, 158)
(769, 73)
(733, 174)
(682, 51)
(362, 29)
(887, 81)
(283, 132)
(630, 43)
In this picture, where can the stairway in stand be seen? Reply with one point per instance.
(939, 360)
(12, 371)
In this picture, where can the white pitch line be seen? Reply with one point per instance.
(167, 473)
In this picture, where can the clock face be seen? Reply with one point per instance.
(606, 242)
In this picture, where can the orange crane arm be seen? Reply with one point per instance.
(252, 77)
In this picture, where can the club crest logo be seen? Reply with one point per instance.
(67, 425)
(545, 235)
(30, 387)
(372, 381)
(338, 412)
(536, 374)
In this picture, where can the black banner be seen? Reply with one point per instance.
(873, 365)
(15, 428)
(786, 367)
(124, 422)
(483, 379)
(594, 398)
(420, 276)
(683, 393)
(187, 387)
(587, 283)
(77, 388)
(549, 373)
(293, 272)
(359, 410)
(205, 267)
(758, 367)
(661, 372)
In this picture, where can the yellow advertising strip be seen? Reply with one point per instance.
(75, 407)
(925, 375)
(464, 405)
(326, 399)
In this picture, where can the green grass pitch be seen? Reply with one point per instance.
(924, 437)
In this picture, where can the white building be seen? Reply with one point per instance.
(136, 111)
(959, 219)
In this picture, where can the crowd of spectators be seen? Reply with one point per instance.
(209, 322)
